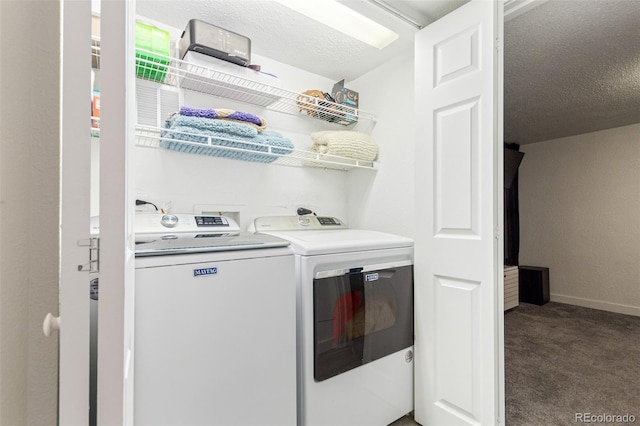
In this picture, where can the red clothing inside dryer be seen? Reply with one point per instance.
(344, 309)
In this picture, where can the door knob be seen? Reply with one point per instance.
(50, 324)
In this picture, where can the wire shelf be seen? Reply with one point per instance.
(196, 77)
(154, 137)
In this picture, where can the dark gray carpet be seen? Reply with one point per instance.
(562, 359)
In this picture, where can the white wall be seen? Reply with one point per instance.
(29, 193)
(386, 203)
(580, 216)
(380, 200)
(363, 198)
(188, 183)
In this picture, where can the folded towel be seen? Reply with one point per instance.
(325, 161)
(198, 124)
(179, 129)
(225, 114)
(345, 143)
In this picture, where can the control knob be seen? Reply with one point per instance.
(169, 220)
(304, 221)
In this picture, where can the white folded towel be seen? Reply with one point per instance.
(345, 143)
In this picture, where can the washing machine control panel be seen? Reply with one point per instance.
(173, 226)
(203, 221)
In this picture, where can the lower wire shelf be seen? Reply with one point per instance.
(236, 149)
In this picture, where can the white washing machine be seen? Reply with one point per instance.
(214, 336)
(355, 320)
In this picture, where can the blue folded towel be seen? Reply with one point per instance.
(209, 124)
(223, 134)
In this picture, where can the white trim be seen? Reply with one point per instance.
(398, 14)
(596, 304)
(498, 148)
(514, 8)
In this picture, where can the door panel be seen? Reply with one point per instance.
(456, 56)
(458, 248)
(456, 142)
(74, 215)
(457, 347)
(117, 122)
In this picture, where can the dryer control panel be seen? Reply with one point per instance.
(296, 223)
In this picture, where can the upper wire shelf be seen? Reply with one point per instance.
(171, 71)
(200, 78)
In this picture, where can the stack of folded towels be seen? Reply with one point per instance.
(343, 143)
(220, 129)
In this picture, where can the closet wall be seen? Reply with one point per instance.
(580, 216)
(386, 203)
(187, 183)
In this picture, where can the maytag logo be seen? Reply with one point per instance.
(204, 271)
(371, 277)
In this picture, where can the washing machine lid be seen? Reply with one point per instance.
(321, 235)
(243, 241)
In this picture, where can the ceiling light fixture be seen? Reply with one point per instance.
(341, 18)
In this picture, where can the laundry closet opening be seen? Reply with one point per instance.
(579, 141)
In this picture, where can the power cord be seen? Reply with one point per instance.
(302, 211)
(142, 202)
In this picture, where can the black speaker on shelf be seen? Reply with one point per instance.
(533, 284)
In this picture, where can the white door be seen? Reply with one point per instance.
(458, 271)
(116, 242)
(115, 319)
(74, 215)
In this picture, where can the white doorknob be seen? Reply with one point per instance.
(50, 324)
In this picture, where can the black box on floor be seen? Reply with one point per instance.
(533, 284)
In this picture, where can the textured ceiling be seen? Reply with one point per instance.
(286, 36)
(571, 66)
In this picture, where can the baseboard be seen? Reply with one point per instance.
(596, 304)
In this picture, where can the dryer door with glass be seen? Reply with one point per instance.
(361, 314)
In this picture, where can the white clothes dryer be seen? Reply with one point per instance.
(354, 320)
